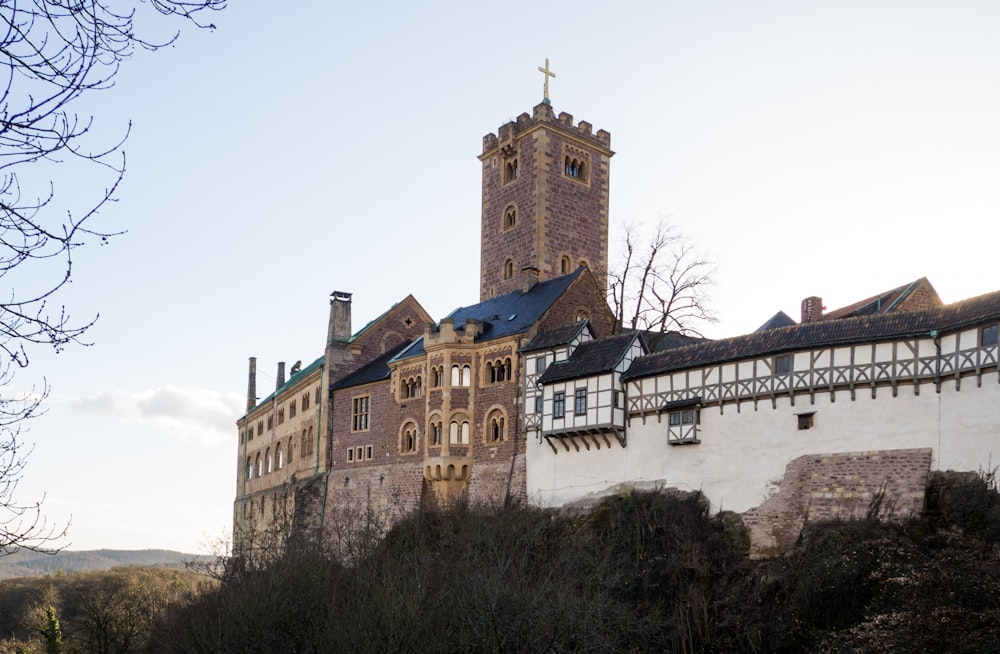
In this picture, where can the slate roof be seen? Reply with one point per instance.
(375, 371)
(506, 315)
(555, 337)
(885, 302)
(780, 319)
(656, 341)
(591, 358)
(861, 329)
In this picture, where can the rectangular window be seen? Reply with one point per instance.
(805, 420)
(305, 401)
(350, 454)
(616, 399)
(989, 336)
(683, 423)
(783, 364)
(292, 409)
(580, 402)
(368, 452)
(559, 405)
(359, 413)
(357, 453)
(540, 365)
(538, 403)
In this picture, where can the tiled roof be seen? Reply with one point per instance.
(506, 315)
(885, 302)
(591, 358)
(555, 337)
(375, 371)
(880, 327)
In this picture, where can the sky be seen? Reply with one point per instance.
(805, 148)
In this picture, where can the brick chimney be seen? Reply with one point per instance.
(812, 309)
(340, 317)
(529, 277)
(280, 380)
(252, 385)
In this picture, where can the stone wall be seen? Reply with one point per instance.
(888, 484)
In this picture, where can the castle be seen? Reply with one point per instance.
(534, 394)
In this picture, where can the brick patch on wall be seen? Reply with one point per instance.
(842, 486)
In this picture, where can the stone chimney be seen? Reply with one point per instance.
(252, 385)
(529, 277)
(812, 309)
(340, 317)
(280, 380)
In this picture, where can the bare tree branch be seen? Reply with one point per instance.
(52, 54)
(661, 284)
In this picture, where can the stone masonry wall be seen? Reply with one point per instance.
(817, 487)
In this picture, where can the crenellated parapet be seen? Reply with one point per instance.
(542, 114)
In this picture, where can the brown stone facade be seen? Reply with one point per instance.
(545, 185)
(884, 484)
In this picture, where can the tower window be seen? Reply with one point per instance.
(510, 170)
(564, 265)
(575, 168)
(508, 269)
(509, 218)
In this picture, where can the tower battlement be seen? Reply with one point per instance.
(543, 114)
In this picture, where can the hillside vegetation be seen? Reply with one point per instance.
(648, 572)
(28, 563)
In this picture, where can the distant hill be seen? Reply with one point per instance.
(26, 563)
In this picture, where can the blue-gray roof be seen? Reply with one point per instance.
(591, 358)
(505, 315)
(375, 371)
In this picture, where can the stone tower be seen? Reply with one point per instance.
(545, 201)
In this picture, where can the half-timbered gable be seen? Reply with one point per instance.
(583, 402)
(541, 352)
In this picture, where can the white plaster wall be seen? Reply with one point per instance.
(743, 453)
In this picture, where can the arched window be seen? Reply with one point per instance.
(461, 375)
(508, 269)
(436, 432)
(260, 466)
(249, 468)
(268, 461)
(496, 427)
(564, 265)
(459, 430)
(510, 170)
(279, 456)
(509, 218)
(408, 438)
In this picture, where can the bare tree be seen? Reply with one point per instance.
(53, 55)
(661, 284)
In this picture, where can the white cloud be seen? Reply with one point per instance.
(205, 416)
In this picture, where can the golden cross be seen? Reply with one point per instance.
(548, 73)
